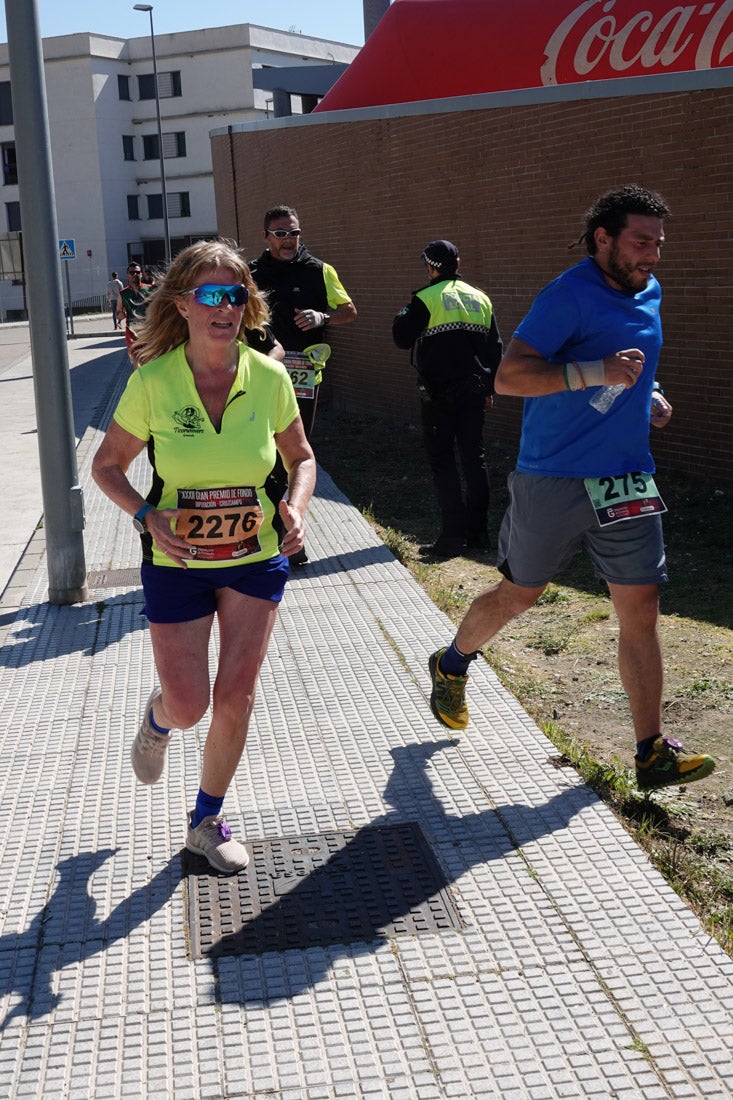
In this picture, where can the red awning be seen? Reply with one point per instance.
(432, 49)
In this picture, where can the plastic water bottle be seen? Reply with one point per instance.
(606, 396)
(657, 406)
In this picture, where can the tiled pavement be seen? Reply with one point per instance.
(573, 970)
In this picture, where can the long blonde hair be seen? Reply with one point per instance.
(164, 328)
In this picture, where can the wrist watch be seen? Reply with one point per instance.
(326, 318)
(138, 520)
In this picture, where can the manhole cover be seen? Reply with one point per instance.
(114, 578)
(318, 890)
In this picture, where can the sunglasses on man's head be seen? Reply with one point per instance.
(282, 233)
(212, 294)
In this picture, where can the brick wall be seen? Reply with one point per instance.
(509, 186)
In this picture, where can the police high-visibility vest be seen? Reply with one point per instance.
(452, 305)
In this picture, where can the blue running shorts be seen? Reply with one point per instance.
(174, 595)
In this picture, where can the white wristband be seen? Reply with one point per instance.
(593, 372)
(573, 377)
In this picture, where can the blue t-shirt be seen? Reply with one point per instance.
(578, 316)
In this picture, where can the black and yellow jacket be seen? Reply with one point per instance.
(451, 328)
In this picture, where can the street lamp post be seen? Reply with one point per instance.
(166, 233)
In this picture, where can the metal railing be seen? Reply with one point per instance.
(95, 303)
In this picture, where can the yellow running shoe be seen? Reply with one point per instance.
(448, 697)
(670, 763)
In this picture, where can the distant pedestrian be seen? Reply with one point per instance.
(451, 328)
(114, 286)
(131, 305)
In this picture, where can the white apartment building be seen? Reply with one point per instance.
(104, 138)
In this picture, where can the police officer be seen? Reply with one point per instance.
(451, 328)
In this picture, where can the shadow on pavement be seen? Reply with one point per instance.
(477, 838)
(66, 930)
(91, 385)
(44, 632)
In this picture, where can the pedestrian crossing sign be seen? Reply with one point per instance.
(67, 249)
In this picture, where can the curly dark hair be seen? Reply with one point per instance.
(611, 210)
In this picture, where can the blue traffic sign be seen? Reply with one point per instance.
(67, 249)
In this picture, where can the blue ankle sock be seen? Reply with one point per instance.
(154, 724)
(455, 663)
(644, 748)
(206, 806)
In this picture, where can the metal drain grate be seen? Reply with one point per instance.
(114, 578)
(318, 890)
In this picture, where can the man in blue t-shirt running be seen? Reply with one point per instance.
(584, 359)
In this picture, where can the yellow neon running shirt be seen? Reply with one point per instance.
(335, 292)
(161, 405)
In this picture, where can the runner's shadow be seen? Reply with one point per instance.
(67, 931)
(320, 902)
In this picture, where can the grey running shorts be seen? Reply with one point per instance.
(549, 519)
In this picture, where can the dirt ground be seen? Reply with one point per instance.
(560, 661)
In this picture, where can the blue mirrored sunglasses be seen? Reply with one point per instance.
(212, 294)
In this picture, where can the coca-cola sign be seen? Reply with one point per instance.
(433, 49)
(606, 38)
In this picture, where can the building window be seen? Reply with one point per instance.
(123, 87)
(12, 212)
(6, 104)
(133, 208)
(179, 205)
(128, 146)
(150, 147)
(10, 167)
(169, 85)
(174, 145)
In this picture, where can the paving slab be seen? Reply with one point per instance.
(573, 971)
(95, 355)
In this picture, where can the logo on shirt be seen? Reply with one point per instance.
(456, 300)
(189, 420)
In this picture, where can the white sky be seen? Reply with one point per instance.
(337, 20)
